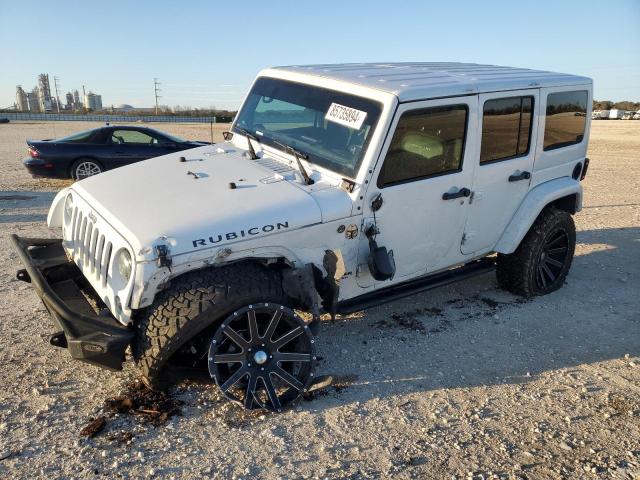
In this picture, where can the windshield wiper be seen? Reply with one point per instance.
(249, 135)
(297, 155)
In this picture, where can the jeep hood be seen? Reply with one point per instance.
(189, 203)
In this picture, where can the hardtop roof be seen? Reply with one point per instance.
(421, 80)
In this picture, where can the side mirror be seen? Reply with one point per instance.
(382, 265)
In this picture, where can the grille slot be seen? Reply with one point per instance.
(86, 244)
(92, 249)
(98, 256)
(104, 271)
(76, 232)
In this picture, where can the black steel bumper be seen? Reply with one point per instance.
(96, 339)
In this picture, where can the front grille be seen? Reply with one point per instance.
(91, 250)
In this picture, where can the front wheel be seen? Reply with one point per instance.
(85, 167)
(541, 262)
(262, 357)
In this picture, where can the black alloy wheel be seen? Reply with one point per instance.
(552, 259)
(262, 357)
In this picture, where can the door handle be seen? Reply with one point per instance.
(463, 192)
(516, 177)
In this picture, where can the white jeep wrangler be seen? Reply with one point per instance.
(339, 187)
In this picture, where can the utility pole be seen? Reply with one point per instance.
(156, 84)
(55, 83)
(84, 100)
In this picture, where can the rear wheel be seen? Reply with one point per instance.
(541, 262)
(85, 167)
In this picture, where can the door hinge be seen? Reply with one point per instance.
(464, 239)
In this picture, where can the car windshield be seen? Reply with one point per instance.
(79, 137)
(332, 128)
(171, 138)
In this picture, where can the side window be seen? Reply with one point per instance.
(566, 119)
(426, 143)
(506, 128)
(131, 136)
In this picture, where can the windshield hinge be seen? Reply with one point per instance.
(347, 185)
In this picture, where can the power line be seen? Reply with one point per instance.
(156, 84)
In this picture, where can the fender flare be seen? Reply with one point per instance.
(150, 286)
(535, 201)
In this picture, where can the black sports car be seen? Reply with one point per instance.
(93, 151)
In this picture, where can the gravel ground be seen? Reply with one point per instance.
(464, 382)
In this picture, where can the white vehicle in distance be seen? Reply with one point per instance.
(338, 188)
(600, 115)
(616, 114)
(628, 115)
(636, 116)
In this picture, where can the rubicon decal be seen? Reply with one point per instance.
(249, 232)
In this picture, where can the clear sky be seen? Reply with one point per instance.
(206, 53)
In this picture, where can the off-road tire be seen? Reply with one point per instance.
(516, 272)
(194, 302)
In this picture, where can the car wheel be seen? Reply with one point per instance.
(173, 336)
(541, 262)
(85, 167)
(262, 357)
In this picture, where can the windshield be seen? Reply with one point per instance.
(331, 127)
(172, 138)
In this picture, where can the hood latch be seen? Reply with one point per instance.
(164, 260)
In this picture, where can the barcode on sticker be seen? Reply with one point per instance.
(349, 117)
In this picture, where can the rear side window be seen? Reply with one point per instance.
(426, 143)
(566, 119)
(506, 128)
(85, 136)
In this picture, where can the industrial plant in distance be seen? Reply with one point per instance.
(40, 99)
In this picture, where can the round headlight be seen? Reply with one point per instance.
(68, 208)
(124, 264)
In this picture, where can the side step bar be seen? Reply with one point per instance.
(422, 284)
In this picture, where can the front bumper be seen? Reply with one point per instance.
(96, 339)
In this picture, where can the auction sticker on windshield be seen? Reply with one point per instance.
(349, 117)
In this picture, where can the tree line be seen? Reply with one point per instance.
(608, 105)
